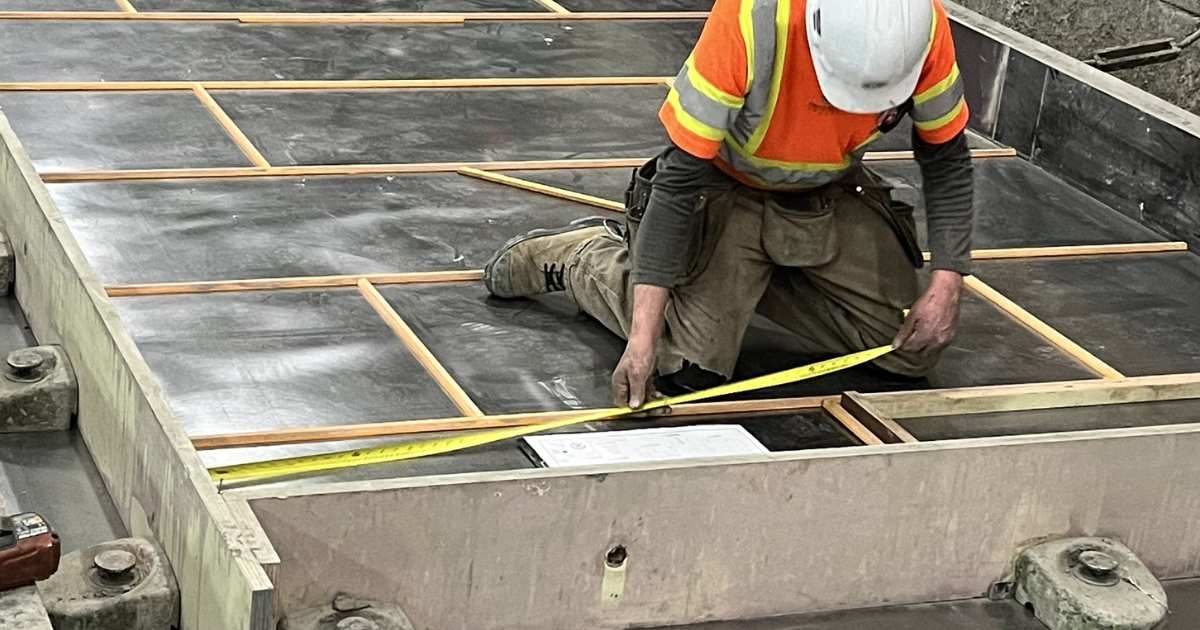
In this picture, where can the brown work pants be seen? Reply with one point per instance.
(827, 265)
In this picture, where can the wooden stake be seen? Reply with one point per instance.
(331, 85)
(552, 191)
(417, 348)
(1047, 332)
(839, 413)
(303, 435)
(125, 6)
(881, 425)
(279, 284)
(231, 129)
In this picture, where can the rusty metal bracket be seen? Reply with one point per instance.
(1135, 55)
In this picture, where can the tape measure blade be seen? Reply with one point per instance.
(271, 469)
(302, 464)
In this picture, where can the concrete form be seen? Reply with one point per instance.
(502, 545)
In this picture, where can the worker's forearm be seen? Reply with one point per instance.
(667, 227)
(649, 308)
(948, 183)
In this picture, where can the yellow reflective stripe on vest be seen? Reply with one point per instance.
(746, 25)
(699, 83)
(690, 122)
(779, 175)
(862, 146)
(761, 32)
(782, 24)
(938, 88)
(941, 121)
(936, 102)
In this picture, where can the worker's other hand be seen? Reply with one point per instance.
(633, 379)
(933, 320)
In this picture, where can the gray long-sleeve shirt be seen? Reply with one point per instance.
(662, 240)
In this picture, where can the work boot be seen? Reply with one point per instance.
(536, 262)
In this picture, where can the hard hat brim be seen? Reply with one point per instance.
(859, 100)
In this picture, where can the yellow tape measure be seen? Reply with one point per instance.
(271, 469)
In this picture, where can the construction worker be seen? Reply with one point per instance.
(761, 203)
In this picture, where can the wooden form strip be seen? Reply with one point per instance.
(281, 284)
(419, 350)
(303, 435)
(1047, 332)
(552, 191)
(850, 423)
(1075, 250)
(351, 18)
(335, 169)
(470, 275)
(231, 129)
(1033, 396)
(874, 420)
(334, 85)
(553, 6)
(498, 16)
(215, 16)
(391, 169)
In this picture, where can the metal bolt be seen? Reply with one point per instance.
(114, 562)
(1098, 562)
(357, 623)
(23, 364)
(1098, 568)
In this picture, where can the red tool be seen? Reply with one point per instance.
(29, 550)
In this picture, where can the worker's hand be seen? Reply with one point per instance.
(933, 320)
(633, 379)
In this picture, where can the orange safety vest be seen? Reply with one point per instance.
(748, 99)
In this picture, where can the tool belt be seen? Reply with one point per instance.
(860, 182)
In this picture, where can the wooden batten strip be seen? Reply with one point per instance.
(304, 435)
(1047, 332)
(334, 169)
(888, 429)
(850, 423)
(1075, 250)
(282, 284)
(348, 18)
(1030, 396)
(231, 129)
(470, 275)
(330, 85)
(552, 191)
(391, 169)
(553, 6)
(419, 350)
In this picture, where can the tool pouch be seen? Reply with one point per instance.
(877, 194)
(799, 229)
(637, 197)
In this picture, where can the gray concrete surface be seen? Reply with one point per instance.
(52, 473)
(1081, 27)
(975, 614)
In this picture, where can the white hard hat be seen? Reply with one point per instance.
(868, 53)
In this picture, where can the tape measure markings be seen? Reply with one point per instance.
(271, 469)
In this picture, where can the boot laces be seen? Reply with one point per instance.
(554, 276)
